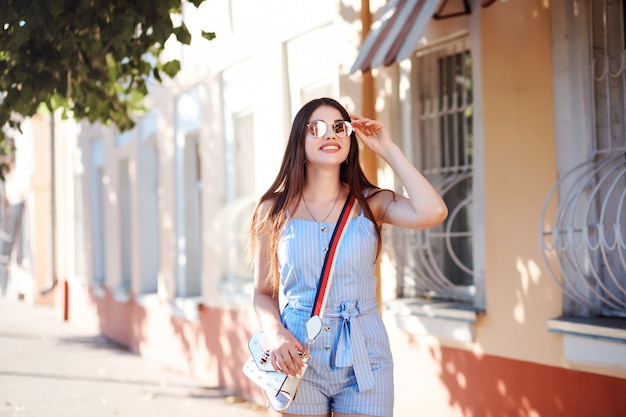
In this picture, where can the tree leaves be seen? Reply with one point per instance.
(208, 35)
(93, 59)
(172, 67)
(182, 34)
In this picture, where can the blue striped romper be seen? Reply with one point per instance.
(351, 368)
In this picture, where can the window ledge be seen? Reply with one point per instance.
(121, 295)
(97, 289)
(186, 308)
(236, 291)
(148, 300)
(445, 319)
(599, 341)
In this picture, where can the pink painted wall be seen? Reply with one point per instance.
(436, 381)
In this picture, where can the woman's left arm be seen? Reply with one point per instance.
(424, 208)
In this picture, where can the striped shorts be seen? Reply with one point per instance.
(327, 387)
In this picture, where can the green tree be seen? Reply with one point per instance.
(91, 58)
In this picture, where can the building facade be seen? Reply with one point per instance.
(515, 110)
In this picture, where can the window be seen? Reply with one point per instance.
(237, 220)
(229, 230)
(149, 223)
(98, 199)
(14, 238)
(585, 241)
(438, 263)
(323, 88)
(189, 188)
(126, 229)
(306, 81)
(79, 234)
(189, 282)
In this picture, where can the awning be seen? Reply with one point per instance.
(394, 36)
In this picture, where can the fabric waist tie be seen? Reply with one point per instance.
(351, 349)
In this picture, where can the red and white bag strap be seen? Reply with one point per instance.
(326, 276)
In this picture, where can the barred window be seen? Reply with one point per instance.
(189, 194)
(98, 182)
(238, 212)
(584, 244)
(438, 262)
(229, 229)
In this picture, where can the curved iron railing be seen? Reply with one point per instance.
(584, 245)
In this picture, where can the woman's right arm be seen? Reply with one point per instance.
(286, 347)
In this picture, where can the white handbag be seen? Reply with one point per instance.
(258, 367)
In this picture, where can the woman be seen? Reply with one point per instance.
(350, 371)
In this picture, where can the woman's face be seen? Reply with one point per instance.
(333, 146)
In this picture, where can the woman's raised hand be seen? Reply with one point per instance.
(372, 133)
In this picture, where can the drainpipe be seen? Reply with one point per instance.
(368, 158)
(53, 277)
(369, 101)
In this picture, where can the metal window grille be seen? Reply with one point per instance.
(585, 249)
(438, 262)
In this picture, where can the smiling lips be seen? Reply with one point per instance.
(330, 147)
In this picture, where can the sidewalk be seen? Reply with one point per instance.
(49, 368)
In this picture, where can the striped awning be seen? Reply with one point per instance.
(394, 36)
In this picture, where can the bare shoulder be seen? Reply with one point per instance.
(379, 200)
(264, 207)
(262, 213)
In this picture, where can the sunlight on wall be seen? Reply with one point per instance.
(528, 410)
(189, 108)
(518, 309)
(501, 387)
(111, 195)
(478, 351)
(386, 177)
(380, 104)
(387, 267)
(181, 245)
(132, 171)
(348, 103)
(529, 273)
(167, 222)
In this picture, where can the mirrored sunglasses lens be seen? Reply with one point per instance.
(343, 129)
(317, 128)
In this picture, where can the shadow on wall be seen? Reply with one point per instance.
(494, 386)
(227, 332)
(212, 348)
(119, 321)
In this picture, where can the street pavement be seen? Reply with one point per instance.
(51, 368)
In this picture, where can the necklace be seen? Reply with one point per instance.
(306, 206)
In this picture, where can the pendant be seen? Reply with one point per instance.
(323, 228)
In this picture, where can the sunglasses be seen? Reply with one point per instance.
(318, 128)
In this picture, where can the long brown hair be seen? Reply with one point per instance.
(291, 178)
